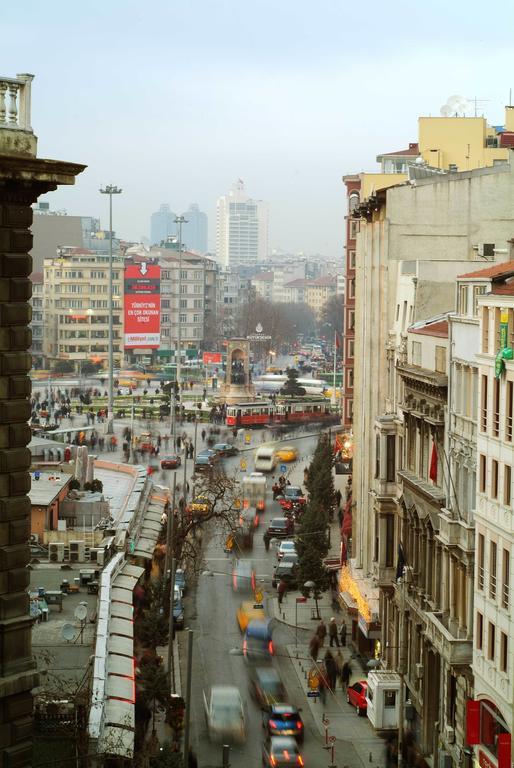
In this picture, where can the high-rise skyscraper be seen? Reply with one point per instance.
(194, 232)
(241, 228)
(162, 224)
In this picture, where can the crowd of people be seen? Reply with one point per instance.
(332, 668)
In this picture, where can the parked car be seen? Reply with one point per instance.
(180, 580)
(281, 751)
(172, 461)
(285, 571)
(178, 609)
(284, 720)
(280, 527)
(285, 548)
(356, 696)
(225, 449)
(266, 686)
(224, 714)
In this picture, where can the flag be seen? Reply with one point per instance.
(401, 562)
(433, 464)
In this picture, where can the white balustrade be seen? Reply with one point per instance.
(15, 102)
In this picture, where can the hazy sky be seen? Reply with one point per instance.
(174, 99)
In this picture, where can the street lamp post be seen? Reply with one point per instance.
(110, 190)
(179, 220)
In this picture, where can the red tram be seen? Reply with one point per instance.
(264, 413)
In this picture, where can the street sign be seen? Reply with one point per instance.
(313, 679)
(258, 606)
(248, 438)
(258, 596)
(243, 464)
(283, 468)
(332, 739)
(237, 503)
(312, 694)
(325, 720)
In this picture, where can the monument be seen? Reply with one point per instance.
(238, 387)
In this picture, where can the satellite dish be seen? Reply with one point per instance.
(80, 612)
(456, 106)
(68, 632)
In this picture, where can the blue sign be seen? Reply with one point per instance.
(283, 468)
(312, 694)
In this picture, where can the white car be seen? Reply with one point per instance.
(285, 548)
(224, 714)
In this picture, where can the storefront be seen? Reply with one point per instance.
(362, 609)
(488, 733)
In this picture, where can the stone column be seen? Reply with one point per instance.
(444, 580)
(452, 588)
(470, 589)
(22, 180)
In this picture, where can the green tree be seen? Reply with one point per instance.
(152, 628)
(63, 366)
(291, 387)
(154, 688)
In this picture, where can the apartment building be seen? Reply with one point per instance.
(315, 293)
(36, 322)
(241, 228)
(491, 713)
(76, 307)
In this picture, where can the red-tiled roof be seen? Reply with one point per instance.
(263, 276)
(503, 289)
(439, 329)
(498, 270)
(412, 150)
(300, 282)
(323, 281)
(36, 277)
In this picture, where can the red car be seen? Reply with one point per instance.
(170, 462)
(356, 696)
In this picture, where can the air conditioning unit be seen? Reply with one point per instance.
(56, 551)
(419, 671)
(34, 538)
(77, 551)
(449, 734)
(100, 557)
(486, 250)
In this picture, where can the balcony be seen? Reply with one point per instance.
(16, 135)
(432, 492)
(456, 650)
(455, 533)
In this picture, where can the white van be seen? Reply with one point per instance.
(265, 459)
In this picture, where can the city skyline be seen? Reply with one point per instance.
(290, 124)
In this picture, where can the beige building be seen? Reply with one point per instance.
(76, 308)
(315, 293)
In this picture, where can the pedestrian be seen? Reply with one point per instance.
(342, 633)
(339, 664)
(323, 684)
(321, 632)
(314, 647)
(332, 632)
(204, 434)
(331, 668)
(346, 674)
(266, 539)
(282, 590)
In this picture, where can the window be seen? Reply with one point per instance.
(353, 201)
(485, 330)
(505, 578)
(390, 699)
(416, 353)
(507, 485)
(182, 318)
(480, 561)
(478, 290)
(377, 456)
(354, 229)
(463, 299)
(491, 641)
(349, 378)
(483, 404)
(183, 289)
(183, 274)
(504, 659)
(508, 411)
(483, 473)
(351, 348)
(351, 288)
(351, 319)
(391, 458)
(183, 303)
(440, 359)
(165, 318)
(351, 259)
(494, 479)
(165, 303)
(496, 408)
(493, 550)
(480, 631)
(389, 548)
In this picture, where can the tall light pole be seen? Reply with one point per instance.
(179, 220)
(110, 190)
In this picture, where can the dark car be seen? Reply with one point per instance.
(284, 720)
(258, 646)
(266, 686)
(292, 497)
(280, 527)
(225, 449)
(285, 571)
(203, 463)
(171, 462)
(281, 751)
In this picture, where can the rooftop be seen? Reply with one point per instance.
(411, 151)
(505, 269)
(263, 277)
(47, 488)
(432, 326)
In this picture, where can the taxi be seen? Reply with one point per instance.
(248, 612)
(287, 453)
(199, 506)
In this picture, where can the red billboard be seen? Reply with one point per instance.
(142, 315)
(211, 357)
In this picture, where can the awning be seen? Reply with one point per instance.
(349, 602)
(119, 713)
(122, 595)
(124, 627)
(120, 688)
(121, 610)
(120, 665)
(121, 645)
(151, 525)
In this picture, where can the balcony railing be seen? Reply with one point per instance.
(481, 577)
(505, 596)
(15, 102)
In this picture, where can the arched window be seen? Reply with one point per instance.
(353, 201)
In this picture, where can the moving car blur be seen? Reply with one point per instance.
(224, 714)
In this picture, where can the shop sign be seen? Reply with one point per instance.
(142, 305)
(370, 630)
(210, 358)
(484, 761)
